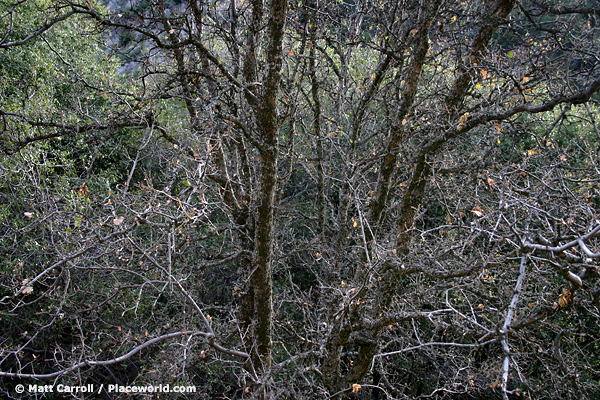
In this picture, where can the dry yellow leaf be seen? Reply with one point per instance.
(565, 297)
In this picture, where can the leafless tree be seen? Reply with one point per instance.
(324, 200)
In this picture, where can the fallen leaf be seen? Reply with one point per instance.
(28, 214)
(477, 211)
(118, 220)
(355, 388)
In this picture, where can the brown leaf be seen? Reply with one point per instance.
(462, 120)
(83, 190)
(565, 297)
(562, 302)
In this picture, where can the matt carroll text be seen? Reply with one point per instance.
(90, 388)
(60, 388)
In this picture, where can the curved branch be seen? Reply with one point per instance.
(36, 33)
(89, 363)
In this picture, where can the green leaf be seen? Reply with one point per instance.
(187, 183)
(510, 54)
